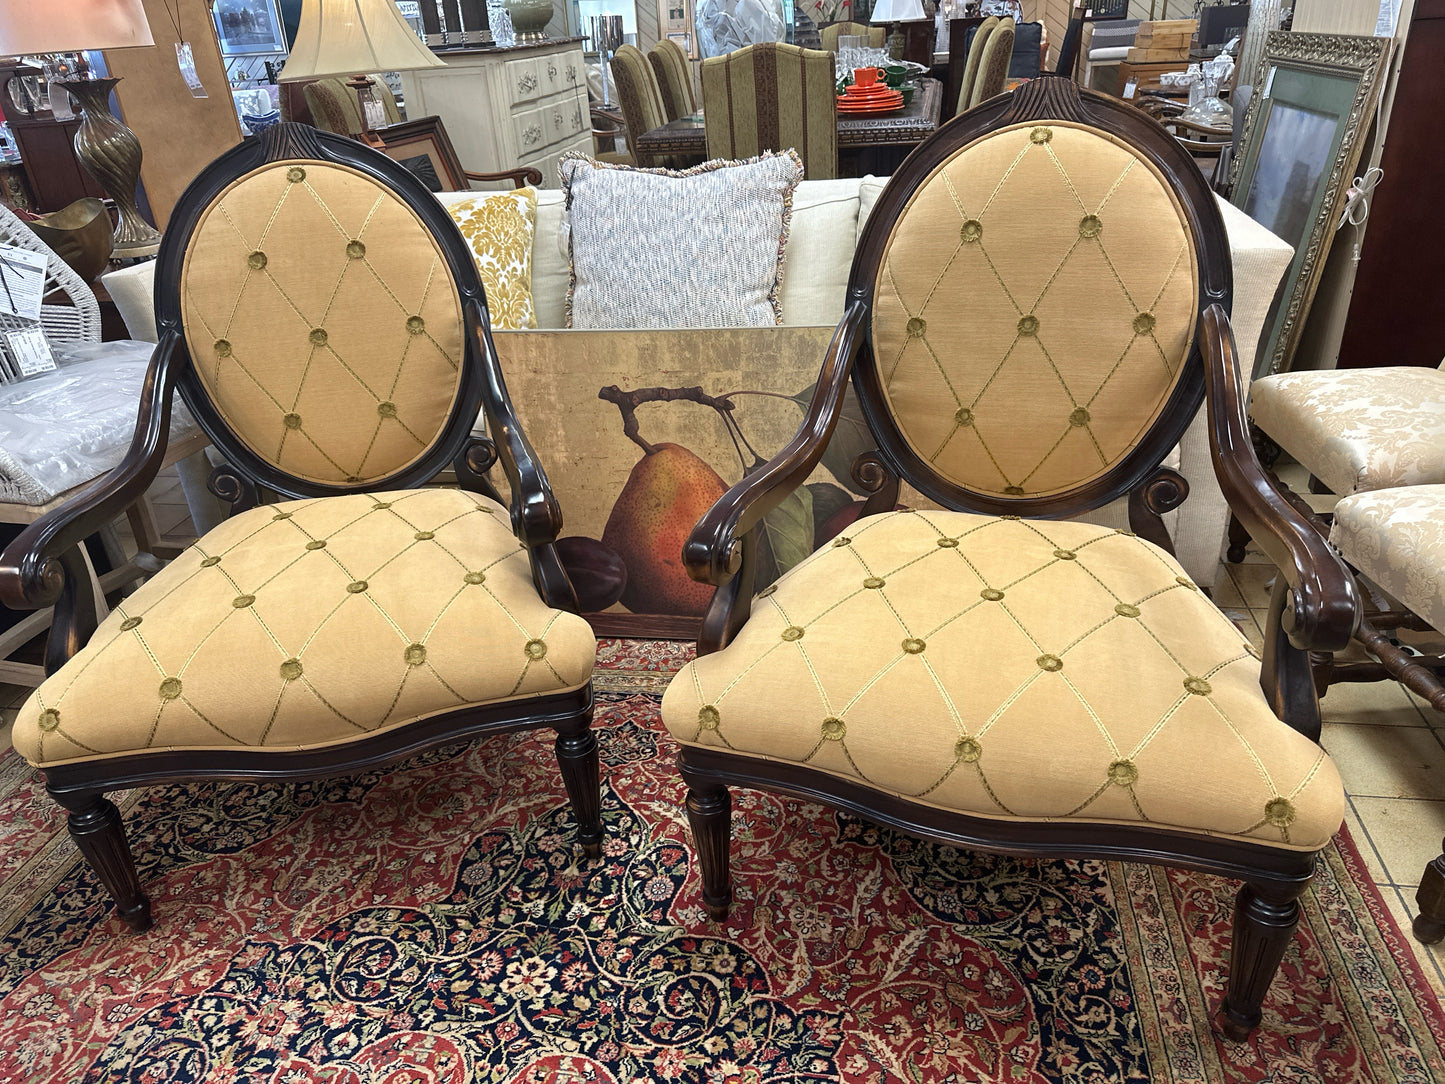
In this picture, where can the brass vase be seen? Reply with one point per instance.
(111, 153)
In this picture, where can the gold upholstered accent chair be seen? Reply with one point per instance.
(973, 62)
(770, 97)
(981, 670)
(321, 317)
(830, 34)
(993, 64)
(674, 79)
(641, 100)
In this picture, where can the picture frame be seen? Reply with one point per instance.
(423, 146)
(248, 27)
(1301, 140)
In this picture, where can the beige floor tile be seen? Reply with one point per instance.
(1226, 593)
(7, 724)
(1401, 903)
(1387, 761)
(1370, 703)
(12, 696)
(1253, 583)
(1406, 832)
(1374, 864)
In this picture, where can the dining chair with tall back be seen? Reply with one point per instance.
(640, 98)
(770, 97)
(993, 64)
(674, 79)
(980, 670)
(876, 35)
(321, 317)
(973, 62)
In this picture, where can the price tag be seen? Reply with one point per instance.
(187, 63)
(30, 350)
(22, 281)
(1129, 88)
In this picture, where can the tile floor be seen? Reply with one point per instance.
(1389, 745)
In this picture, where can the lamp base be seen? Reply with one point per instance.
(111, 154)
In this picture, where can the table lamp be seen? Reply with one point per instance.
(894, 12)
(107, 149)
(355, 37)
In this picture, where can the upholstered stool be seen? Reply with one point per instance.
(1358, 429)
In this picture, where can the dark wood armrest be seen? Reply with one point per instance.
(520, 177)
(1323, 606)
(721, 544)
(31, 572)
(536, 515)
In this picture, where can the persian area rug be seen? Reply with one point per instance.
(430, 923)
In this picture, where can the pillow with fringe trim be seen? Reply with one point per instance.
(697, 248)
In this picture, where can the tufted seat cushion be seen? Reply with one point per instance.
(1039, 670)
(313, 623)
(1396, 537)
(1358, 429)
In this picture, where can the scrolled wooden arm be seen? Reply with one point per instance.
(32, 572)
(1323, 607)
(520, 177)
(714, 552)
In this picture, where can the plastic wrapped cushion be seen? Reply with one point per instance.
(59, 430)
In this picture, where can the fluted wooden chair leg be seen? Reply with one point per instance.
(709, 813)
(96, 827)
(1429, 925)
(1265, 917)
(577, 758)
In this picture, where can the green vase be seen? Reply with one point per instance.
(529, 18)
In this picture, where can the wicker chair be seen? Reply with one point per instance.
(674, 79)
(743, 119)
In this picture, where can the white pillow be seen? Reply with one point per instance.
(701, 248)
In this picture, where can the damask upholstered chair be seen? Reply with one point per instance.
(974, 60)
(334, 106)
(977, 669)
(833, 31)
(770, 97)
(674, 79)
(321, 317)
(641, 100)
(993, 64)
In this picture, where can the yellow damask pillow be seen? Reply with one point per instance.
(498, 226)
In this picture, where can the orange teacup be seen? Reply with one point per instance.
(865, 77)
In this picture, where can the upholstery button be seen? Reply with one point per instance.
(283, 515)
(210, 562)
(240, 602)
(948, 543)
(1028, 325)
(290, 669)
(1051, 663)
(1123, 773)
(968, 750)
(1090, 226)
(536, 650)
(1143, 323)
(316, 544)
(914, 646)
(414, 655)
(386, 410)
(1185, 581)
(916, 327)
(318, 336)
(1041, 135)
(708, 717)
(129, 623)
(223, 348)
(170, 688)
(1014, 491)
(415, 325)
(834, 729)
(49, 720)
(768, 590)
(963, 416)
(1198, 686)
(873, 583)
(295, 174)
(991, 594)
(1066, 555)
(841, 540)
(1124, 531)
(971, 231)
(792, 632)
(357, 587)
(291, 421)
(1279, 812)
(256, 261)
(475, 577)
(1123, 609)
(355, 249)
(424, 536)
(381, 506)
(1253, 652)
(1078, 417)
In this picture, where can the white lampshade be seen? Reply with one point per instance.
(29, 27)
(345, 37)
(898, 11)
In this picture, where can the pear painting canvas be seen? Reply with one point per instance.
(640, 432)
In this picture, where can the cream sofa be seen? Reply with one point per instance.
(828, 216)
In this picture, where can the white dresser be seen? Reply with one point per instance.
(523, 106)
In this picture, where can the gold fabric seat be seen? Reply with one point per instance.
(994, 645)
(313, 623)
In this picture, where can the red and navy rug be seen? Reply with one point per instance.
(430, 923)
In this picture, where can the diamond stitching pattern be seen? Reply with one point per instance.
(335, 358)
(1039, 670)
(255, 637)
(1058, 289)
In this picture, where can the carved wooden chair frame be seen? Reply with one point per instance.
(1315, 608)
(43, 565)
